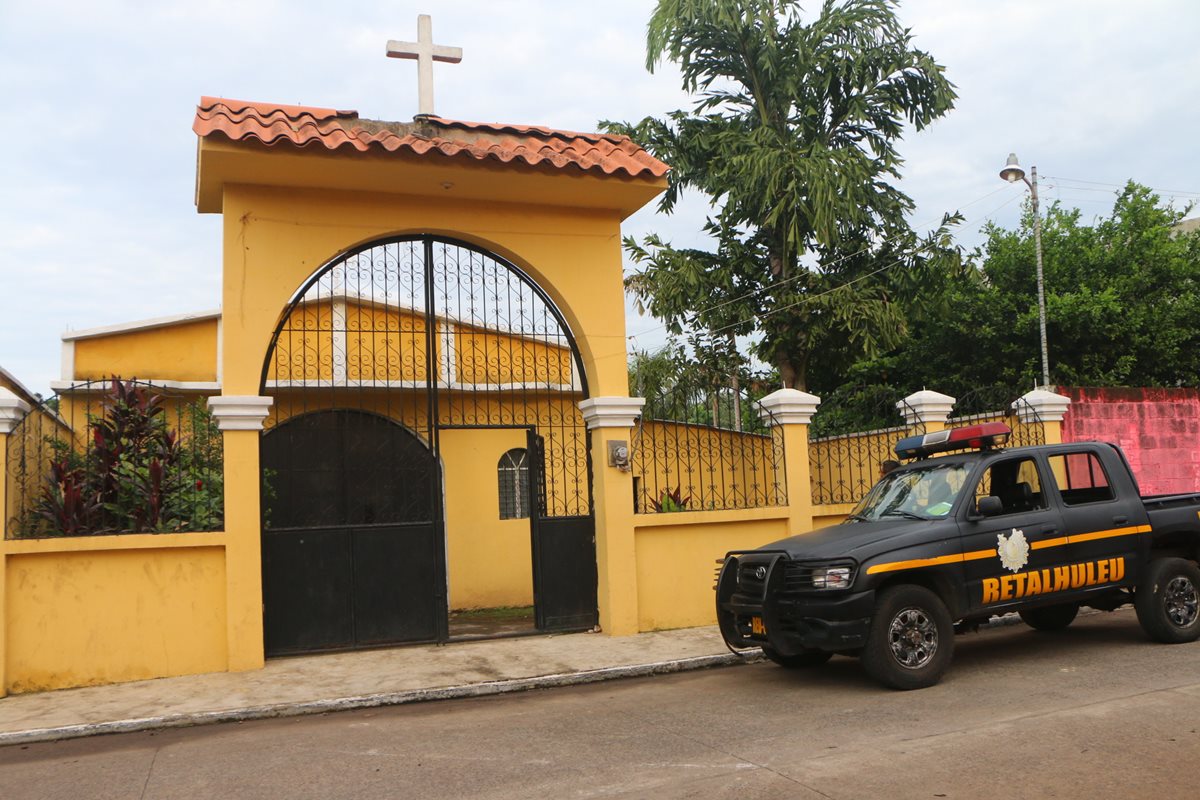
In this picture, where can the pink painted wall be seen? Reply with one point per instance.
(1159, 430)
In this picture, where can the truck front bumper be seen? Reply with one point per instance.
(790, 623)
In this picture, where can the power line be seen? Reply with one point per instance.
(804, 274)
(1173, 192)
(898, 262)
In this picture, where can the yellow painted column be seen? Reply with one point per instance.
(1046, 407)
(610, 425)
(240, 419)
(12, 410)
(790, 411)
(930, 409)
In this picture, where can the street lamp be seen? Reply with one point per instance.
(1012, 173)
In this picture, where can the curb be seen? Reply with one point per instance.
(484, 689)
(278, 710)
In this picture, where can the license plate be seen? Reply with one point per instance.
(756, 626)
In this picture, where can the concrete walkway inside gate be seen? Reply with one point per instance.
(342, 681)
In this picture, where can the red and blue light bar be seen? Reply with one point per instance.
(971, 437)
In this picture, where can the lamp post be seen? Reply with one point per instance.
(1012, 173)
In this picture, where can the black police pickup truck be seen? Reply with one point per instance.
(942, 544)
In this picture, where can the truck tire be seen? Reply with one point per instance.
(911, 638)
(1168, 603)
(1050, 618)
(802, 660)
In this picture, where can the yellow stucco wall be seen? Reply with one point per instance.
(179, 352)
(676, 560)
(275, 239)
(489, 562)
(78, 615)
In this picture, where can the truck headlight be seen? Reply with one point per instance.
(832, 578)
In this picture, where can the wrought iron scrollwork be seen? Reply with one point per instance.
(1001, 404)
(845, 464)
(699, 450)
(435, 334)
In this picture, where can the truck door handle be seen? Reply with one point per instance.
(1049, 529)
(1120, 519)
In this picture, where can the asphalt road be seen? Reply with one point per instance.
(1096, 711)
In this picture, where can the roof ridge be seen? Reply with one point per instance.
(209, 104)
(537, 146)
(500, 127)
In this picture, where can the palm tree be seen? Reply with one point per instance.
(793, 137)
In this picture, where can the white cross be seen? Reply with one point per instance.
(425, 52)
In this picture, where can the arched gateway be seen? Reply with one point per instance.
(403, 373)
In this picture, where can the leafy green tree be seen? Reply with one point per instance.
(1122, 305)
(707, 383)
(793, 137)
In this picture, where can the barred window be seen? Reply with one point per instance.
(513, 471)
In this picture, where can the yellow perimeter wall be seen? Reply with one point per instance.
(109, 609)
(677, 555)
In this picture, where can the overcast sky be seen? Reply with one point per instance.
(97, 156)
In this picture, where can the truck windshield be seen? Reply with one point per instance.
(925, 492)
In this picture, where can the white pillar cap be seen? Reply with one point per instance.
(1041, 404)
(611, 412)
(926, 406)
(240, 412)
(788, 407)
(12, 410)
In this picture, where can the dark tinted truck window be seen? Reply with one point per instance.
(1080, 478)
(1016, 482)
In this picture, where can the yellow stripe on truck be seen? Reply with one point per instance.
(976, 555)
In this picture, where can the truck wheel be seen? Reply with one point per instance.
(1168, 604)
(1050, 618)
(911, 638)
(802, 660)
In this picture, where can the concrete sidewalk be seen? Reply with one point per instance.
(336, 682)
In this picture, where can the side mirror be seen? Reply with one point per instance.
(990, 506)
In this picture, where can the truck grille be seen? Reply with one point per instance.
(748, 581)
(798, 575)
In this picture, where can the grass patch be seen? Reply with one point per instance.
(498, 613)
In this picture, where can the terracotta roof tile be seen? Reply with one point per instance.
(305, 126)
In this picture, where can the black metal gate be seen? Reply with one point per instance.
(353, 542)
(380, 351)
(564, 556)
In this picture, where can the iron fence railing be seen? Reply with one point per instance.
(706, 449)
(845, 461)
(114, 456)
(1001, 404)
